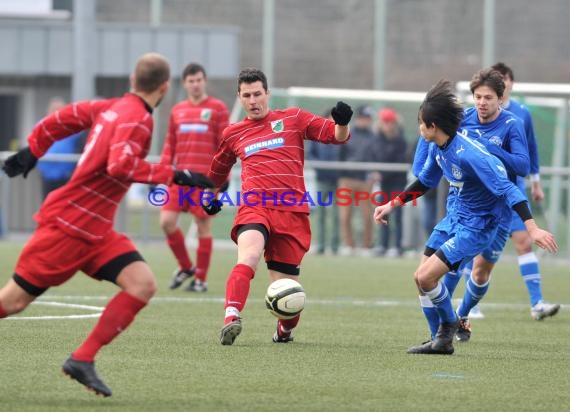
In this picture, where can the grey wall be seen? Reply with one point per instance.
(328, 43)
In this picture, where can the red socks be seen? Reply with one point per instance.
(117, 316)
(237, 290)
(287, 325)
(3, 313)
(177, 244)
(203, 256)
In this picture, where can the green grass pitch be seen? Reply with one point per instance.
(349, 352)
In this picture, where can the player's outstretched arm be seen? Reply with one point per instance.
(341, 114)
(188, 178)
(213, 207)
(381, 213)
(20, 163)
(542, 238)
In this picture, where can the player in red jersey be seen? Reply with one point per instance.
(194, 131)
(75, 223)
(273, 218)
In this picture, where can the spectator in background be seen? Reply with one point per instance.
(353, 181)
(327, 180)
(55, 174)
(390, 147)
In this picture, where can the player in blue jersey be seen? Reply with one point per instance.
(503, 134)
(442, 230)
(510, 135)
(527, 259)
(483, 189)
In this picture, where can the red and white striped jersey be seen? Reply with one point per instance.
(194, 132)
(113, 158)
(272, 155)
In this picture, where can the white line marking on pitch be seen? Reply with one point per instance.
(61, 305)
(327, 302)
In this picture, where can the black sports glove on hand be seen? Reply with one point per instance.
(224, 187)
(189, 178)
(20, 163)
(341, 113)
(214, 207)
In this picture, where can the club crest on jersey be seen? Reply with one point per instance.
(109, 115)
(496, 140)
(264, 144)
(456, 172)
(206, 115)
(277, 126)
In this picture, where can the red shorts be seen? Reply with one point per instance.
(175, 204)
(289, 232)
(52, 257)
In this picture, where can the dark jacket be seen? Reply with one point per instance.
(324, 152)
(358, 149)
(392, 151)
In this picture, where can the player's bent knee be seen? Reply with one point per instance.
(17, 306)
(481, 277)
(425, 279)
(138, 280)
(168, 226)
(417, 277)
(143, 289)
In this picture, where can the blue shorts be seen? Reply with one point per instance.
(437, 238)
(517, 225)
(493, 252)
(446, 224)
(464, 244)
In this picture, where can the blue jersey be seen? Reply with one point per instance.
(420, 156)
(422, 159)
(504, 137)
(482, 189)
(522, 112)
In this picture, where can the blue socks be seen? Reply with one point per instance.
(473, 294)
(528, 265)
(441, 299)
(431, 315)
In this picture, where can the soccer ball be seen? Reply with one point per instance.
(285, 298)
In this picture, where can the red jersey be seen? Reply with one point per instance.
(113, 158)
(272, 155)
(194, 132)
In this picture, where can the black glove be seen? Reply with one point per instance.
(189, 178)
(224, 187)
(20, 163)
(214, 207)
(341, 113)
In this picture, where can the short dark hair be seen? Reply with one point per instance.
(252, 75)
(151, 71)
(442, 108)
(504, 70)
(488, 77)
(192, 69)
